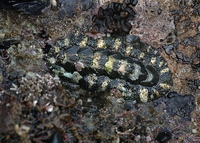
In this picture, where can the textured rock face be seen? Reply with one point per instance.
(78, 115)
(180, 105)
(65, 8)
(153, 22)
(69, 7)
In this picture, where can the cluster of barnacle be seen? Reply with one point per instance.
(3, 53)
(45, 109)
(26, 57)
(43, 106)
(32, 87)
(114, 19)
(9, 74)
(17, 58)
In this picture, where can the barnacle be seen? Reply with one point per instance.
(26, 57)
(39, 96)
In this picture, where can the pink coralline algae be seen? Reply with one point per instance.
(153, 23)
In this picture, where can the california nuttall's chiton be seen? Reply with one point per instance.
(123, 63)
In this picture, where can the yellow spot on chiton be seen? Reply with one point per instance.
(109, 64)
(143, 95)
(122, 68)
(105, 84)
(165, 86)
(117, 44)
(52, 60)
(142, 55)
(148, 48)
(91, 80)
(121, 86)
(53, 2)
(164, 71)
(153, 60)
(161, 63)
(83, 42)
(151, 96)
(66, 42)
(156, 92)
(59, 43)
(65, 59)
(135, 73)
(101, 43)
(57, 49)
(95, 62)
(128, 50)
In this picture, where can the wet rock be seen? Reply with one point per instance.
(164, 136)
(132, 38)
(56, 138)
(196, 60)
(194, 84)
(128, 105)
(180, 105)
(69, 8)
(43, 34)
(169, 48)
(32, 7)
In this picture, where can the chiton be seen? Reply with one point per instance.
(123, 63)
